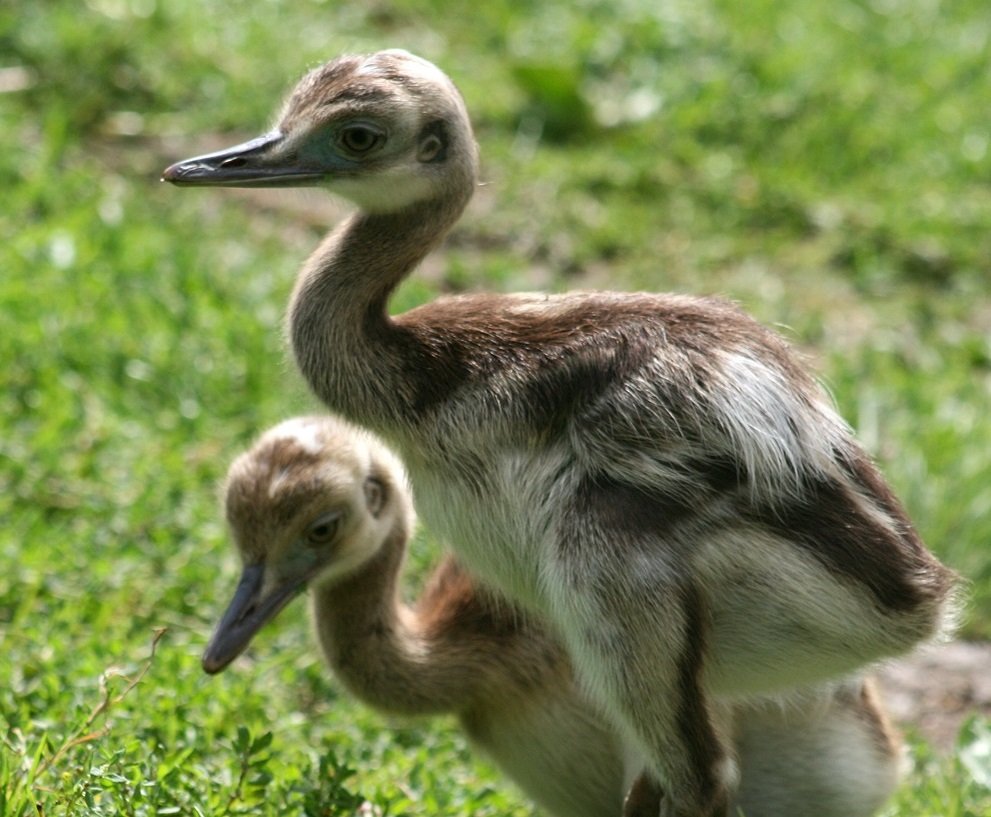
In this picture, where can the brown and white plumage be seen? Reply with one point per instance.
(318, 503)
(656, 475)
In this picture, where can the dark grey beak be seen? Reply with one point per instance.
(247, 613)
(258, 163)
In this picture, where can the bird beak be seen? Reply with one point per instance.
(262, 162)
(247, 613)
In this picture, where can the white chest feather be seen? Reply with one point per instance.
(499, 518)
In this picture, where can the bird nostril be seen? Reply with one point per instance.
(235, 161)
(248, 611)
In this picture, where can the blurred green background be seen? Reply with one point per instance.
(826, 164)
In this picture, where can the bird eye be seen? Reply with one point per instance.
(359, 139)
(323, 530)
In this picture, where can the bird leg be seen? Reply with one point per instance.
(643, 799)
(639, 639)
(646, 799)
(651, 689)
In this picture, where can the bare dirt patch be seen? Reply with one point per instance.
(933, 691)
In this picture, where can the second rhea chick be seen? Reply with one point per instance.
(319, 503)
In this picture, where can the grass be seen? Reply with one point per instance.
(826, 164)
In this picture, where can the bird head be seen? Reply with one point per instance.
(311, 502)
(385, 131)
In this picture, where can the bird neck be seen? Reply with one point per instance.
(363, 627)
(345, 343)
(442, 657)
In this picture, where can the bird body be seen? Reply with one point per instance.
(318, 503)
(690, 413)
(655, 476)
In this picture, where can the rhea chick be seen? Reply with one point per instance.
(319, 503)
(657, 477)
